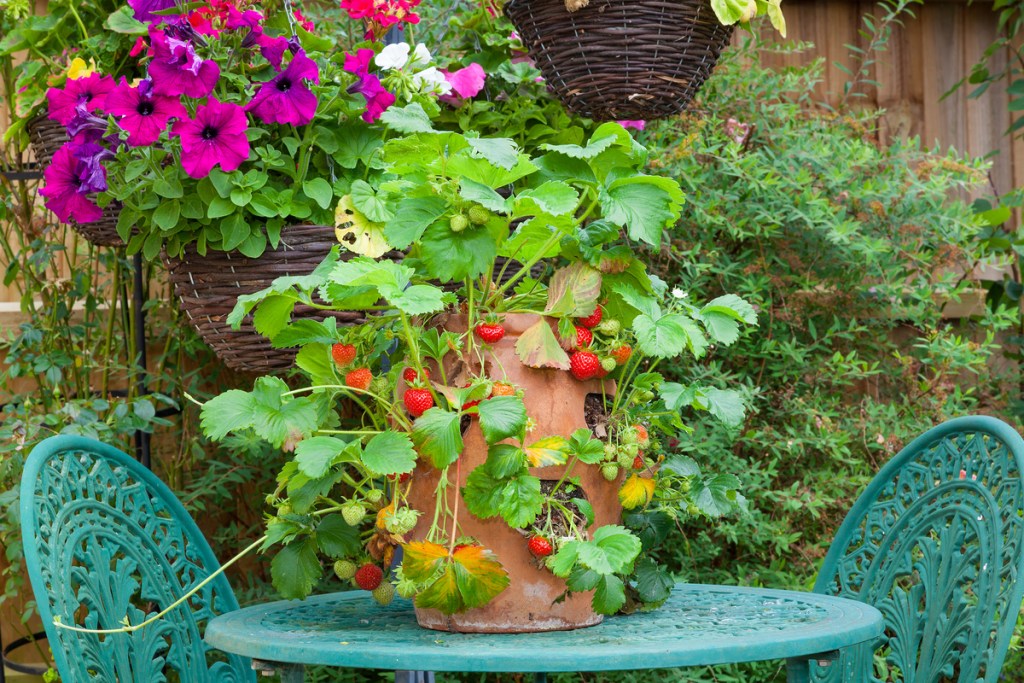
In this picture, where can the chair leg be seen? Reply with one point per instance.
(414, 677)
(292, 673)
(540, 677)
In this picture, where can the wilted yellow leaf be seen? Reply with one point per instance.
(551, 450)
(356, 232)
(636, 491)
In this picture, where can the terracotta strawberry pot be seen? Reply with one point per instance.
(555, 401)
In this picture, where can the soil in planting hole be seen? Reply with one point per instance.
(559, 521)
(596, 414)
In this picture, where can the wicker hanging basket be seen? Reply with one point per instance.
(102, 233)
(45, 136)
(208, 286)
(622, 59)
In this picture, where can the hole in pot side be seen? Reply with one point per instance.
(560, 523)
(596, 414)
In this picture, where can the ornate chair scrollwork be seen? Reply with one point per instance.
(935, 543)
(105, 541)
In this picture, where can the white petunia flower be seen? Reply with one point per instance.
(394, 56)
(432, 80)
(420, 57)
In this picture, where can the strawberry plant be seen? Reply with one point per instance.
(550, 258)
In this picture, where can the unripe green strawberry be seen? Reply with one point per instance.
(693, 509)
(354, 513)
(374, 495)
(458, 223)
(345, 569)
(610, 451)
(684, 486)
(629, 435)
(401, 521)
(625, 460)
(646, 397)
(380, 386)
(610, 327)
(384, 593)
(610, 471)
(632, 449)
(608, 364)
(478, 215)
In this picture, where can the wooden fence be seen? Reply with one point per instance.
(923, 61)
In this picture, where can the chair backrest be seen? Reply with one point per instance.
(935, 543)
(106, 540)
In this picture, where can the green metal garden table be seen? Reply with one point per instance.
(699, 625)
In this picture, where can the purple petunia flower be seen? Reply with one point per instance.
(86, 127)
(378, 99)
(75, 173)
(285, 98)
(216, 136)
(90, 91)
(144, 8)
(177, 70)
(144, 114)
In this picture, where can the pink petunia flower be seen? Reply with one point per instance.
(143, 113)
(286, 98)
(177, 70)
(90, 91)
(466, 84)
(215, 137)
(638, 125)
(305, 23)
(71, 177)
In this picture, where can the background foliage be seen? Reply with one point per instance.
(849, 250)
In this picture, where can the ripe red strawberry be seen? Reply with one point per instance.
(584, 337)
(490, 333)
(642, 435)
(359, 378)
(369, 576)
(622, 354)
(540, 546)
(343, 354)
(400, 478)
(594, 319)
(418, 401)
(638, 462)
(584, 365)
(503, 389)
(409, 375)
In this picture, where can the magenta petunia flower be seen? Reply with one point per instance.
(143, 113)
(216, 136)
(177, 70)
(466, 84)
(285, 98)
(378, 99)
(272, 48)
(75, 173)
(90, 91)
(85, 127)
(144, 8)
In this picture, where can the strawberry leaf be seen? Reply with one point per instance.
(551, 450)
(422, 559)
(389, 453)
(538, 348)
(609, 595)
(337, 538)
(479, 575)
(502, 417)
(437, 436)
(505, 460)
(317, 454)
(229, 412)
(295, 569)
(412, 217)
(574, 291)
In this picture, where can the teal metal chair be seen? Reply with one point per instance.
(106, 540)
(936, 543)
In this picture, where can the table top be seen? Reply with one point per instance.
(698, 625)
